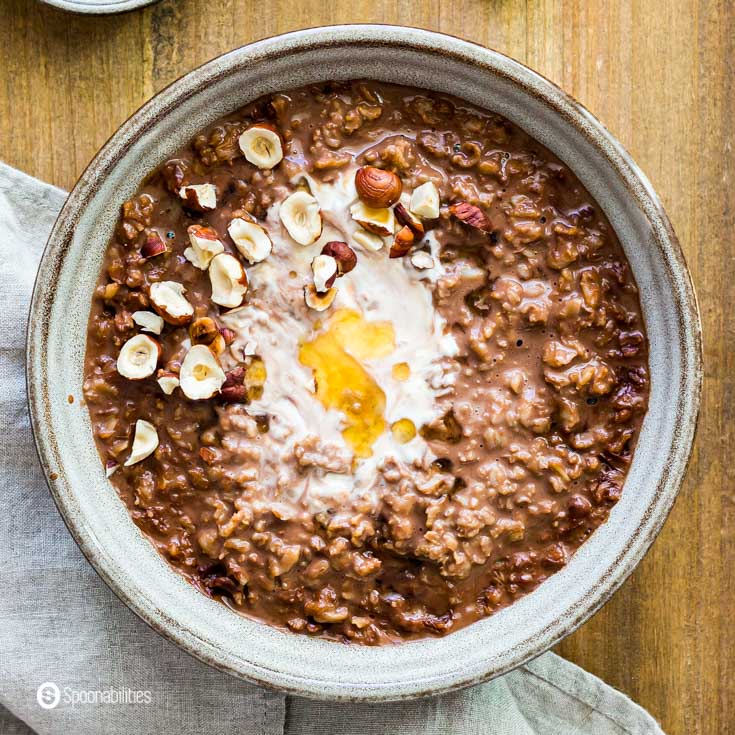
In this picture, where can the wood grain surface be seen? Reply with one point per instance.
(658, 73)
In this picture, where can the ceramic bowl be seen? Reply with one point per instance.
(101, 524)
(98, 7)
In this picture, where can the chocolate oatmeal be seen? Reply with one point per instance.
(366, 362)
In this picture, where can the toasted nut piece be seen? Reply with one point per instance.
(111, 466)
(422, 260)
(138, 357)
(218, 345)
(145, 442)
(233, 389)
(153, 245)
(425, 201)
(378, 221)
(403, 242)
(228, 335)
(368, 240)
(235, 376)
(234, 394)
(229, 280)
(302, 217)
(324, 268)
(199, 197)
(201, 375)
(407, 219)
(377, 188)
(471, 215)
(169, 301)
(250, 239)
(203, 331)
(261, 144)
(148, 321)
(343, 254)
(318, 301)
(168, 381)
(204, 246)
(302, 184)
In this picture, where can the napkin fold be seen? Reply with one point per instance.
(64, 635)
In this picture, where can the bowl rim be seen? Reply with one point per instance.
(98, 7)
(486, 60)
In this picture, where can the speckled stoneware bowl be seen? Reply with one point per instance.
(98, 519)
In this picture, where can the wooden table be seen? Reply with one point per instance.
(658, 73)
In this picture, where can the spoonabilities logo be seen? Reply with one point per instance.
(48, 695)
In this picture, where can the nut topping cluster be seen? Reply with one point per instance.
(377, 210)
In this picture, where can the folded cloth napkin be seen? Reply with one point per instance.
(62, 627)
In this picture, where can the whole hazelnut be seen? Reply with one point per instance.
(378, 188)
(343, 254)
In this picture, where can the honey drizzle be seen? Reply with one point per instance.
(342, 383)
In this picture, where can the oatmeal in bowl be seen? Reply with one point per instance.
(366, 362)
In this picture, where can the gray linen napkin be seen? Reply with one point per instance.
(59, 623)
